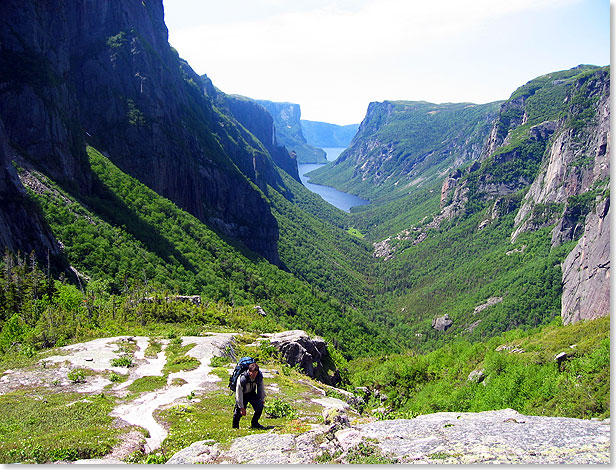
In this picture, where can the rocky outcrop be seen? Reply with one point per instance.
(578, 158)
(104, 70)
(442, 323)
(310, 354)
(503, 436)
(289, 131)
(586, 270)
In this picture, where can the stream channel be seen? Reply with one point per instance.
(336, 198)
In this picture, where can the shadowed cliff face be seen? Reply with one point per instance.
(21, 226)
(259, 122)
(37, 105)
(106, 68)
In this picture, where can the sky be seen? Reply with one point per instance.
(334, 57)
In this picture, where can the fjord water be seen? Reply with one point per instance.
(336, 198)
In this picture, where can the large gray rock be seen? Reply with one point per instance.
(586, 270)
(442, 323)
(297, 348)
(503, 436)
(199, 452)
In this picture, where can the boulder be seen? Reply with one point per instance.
(442, 323)
(199, 452)
(297, 348)
(476, 376)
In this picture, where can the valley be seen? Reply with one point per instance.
(454, 257)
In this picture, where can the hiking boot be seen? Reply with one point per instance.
(257, 426)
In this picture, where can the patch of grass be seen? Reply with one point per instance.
(277, 408)
(77, 376)
(154, 347)
(222, 373)
(208, 419)
(38, 427)
(123, 361)
(177, 359)
(355, 233)
(148, 384)
(117, 377)
(126, 346)
(219, 361)
(364, 453)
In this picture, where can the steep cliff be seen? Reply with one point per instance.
(586, 271)
(106, 68)
(404, 144)
(548, 155)
(260, 123)
(289, 131)
(21, 226)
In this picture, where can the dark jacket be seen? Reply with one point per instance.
(245, 385)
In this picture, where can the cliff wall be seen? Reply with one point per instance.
(548, 155)
(287, 119)
(103, 71)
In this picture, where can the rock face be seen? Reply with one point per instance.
(103, 71)
(586, 270)
(503, 436)
(289, 131)
(309, 354)
(576, 161)
(561, 154)
(21, 225)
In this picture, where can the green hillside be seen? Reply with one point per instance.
(125, 234)
(402, 145)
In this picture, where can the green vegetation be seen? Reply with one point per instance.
(278, 408)
(148, 384)
(131, 252)
(416, 143)
(518, 370)
(82, 427)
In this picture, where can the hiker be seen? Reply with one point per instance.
(249, 389)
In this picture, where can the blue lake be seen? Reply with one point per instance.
(336, 198)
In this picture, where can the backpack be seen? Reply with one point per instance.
(239, 368)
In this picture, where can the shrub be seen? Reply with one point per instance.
(279, 409)
(77, 376)
(123, 361)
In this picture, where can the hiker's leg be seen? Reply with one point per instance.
(257, 405)
(237, 414)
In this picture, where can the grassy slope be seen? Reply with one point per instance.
(126, 232)
(522, 375)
